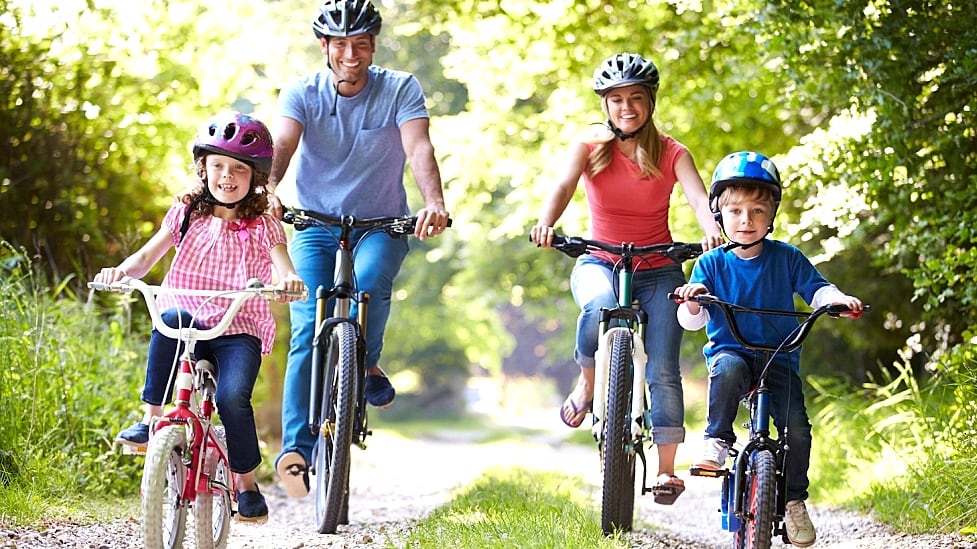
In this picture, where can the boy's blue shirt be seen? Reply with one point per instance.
(767, 281)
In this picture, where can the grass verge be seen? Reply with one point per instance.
(514, 508)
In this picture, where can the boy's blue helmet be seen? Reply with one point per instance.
(744, 168)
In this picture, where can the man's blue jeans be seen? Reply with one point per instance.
(594, 286)
(732, 375)
(377, 261)
(237, 359)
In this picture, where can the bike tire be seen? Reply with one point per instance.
(336, 434)
(617, 456)
(164, 509)
(212, 509)
(757, 527)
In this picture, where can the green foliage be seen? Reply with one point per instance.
(64, 387)
(513, 508)
(905, 68)
(903, 445)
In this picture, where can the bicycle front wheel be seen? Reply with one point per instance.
(336, 433)
(212, 509)
(164, 509)
(756, 531)
(617, 452)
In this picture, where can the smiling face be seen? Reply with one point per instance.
(747, 213)
(228, 179)
(629, 107)
(349, 56)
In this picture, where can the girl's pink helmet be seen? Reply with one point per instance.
(236, 135)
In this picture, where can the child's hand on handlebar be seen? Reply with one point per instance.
(687, 291)
(108, 275)
(292, 288)
(854, 306)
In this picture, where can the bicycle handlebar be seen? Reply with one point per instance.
(255, 288)
(575, 246)
(797, 337)
(394, 226)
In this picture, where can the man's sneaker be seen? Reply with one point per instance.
(714, 454)
(379, 391)
(294, 473)
(800, 531)
(135, 436)
(251, 506)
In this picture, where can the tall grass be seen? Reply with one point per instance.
(64, 378)
(903, 449)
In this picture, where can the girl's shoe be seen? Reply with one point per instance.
(251, 506)
(136, 436)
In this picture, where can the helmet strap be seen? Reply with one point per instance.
(624, 136)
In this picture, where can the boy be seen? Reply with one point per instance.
(760, 273)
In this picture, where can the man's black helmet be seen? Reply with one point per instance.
(625, 69)
(347, 18)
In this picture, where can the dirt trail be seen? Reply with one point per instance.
(397, 480)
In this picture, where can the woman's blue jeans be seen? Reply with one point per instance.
(731, 376)
(237, 359)
(594, 285)
(377, 261)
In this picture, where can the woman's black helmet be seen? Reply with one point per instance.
(625, 69)
(347, 18)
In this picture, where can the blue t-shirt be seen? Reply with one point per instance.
(352, 163)
(767, 281)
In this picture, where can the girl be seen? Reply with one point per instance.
(222, 239)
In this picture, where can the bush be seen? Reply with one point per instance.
(67, 372)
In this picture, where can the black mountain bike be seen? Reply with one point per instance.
(337, 406)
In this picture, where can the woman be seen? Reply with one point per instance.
(629, 169)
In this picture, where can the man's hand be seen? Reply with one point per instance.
(431, 221)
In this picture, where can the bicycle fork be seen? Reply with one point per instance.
(639, 416)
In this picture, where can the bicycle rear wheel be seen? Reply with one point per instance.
(336, 433)
(164, 509)
(212, 509)
(756, 531)
(617, 456)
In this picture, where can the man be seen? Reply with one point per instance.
(354, 126)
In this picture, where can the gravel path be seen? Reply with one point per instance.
(385, 500)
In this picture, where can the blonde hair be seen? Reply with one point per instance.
(648, 153)
(741, 193)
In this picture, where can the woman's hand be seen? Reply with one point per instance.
(712, 241)
(542, 235)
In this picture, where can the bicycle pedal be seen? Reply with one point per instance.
(128, 450)
(708, 473)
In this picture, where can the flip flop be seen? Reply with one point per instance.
(579, 412)
(668, 491)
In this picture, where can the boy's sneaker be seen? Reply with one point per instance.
(251, 506)
(800, 530)
(714, 454)
(294, 473)
(135, 436)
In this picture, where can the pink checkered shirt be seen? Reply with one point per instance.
(220, 255)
